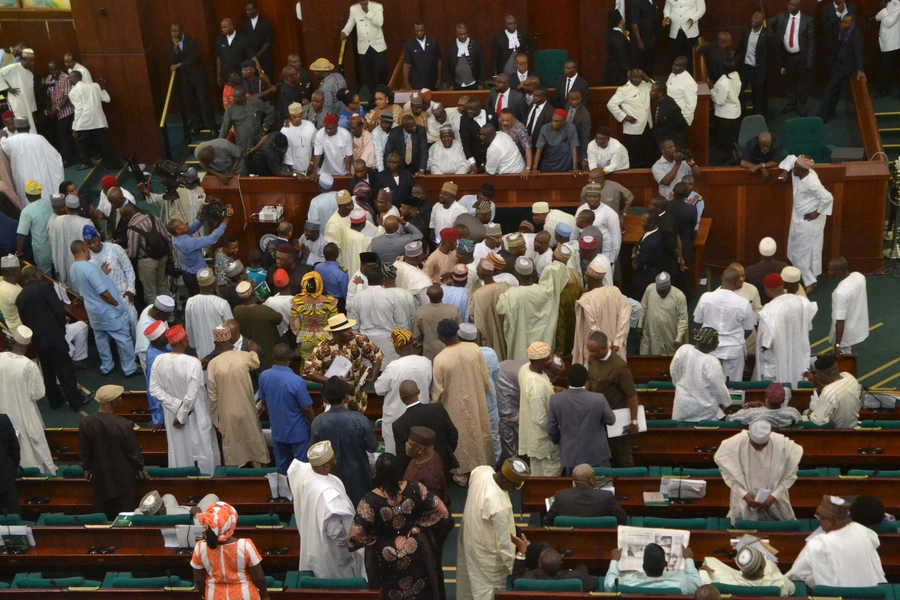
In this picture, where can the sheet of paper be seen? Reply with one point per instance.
(279, 486)
(633, 540)
(170, 539)
(623, 420)
(340, 367)
(762, 495)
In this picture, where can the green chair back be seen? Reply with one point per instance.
(720, 424)
(661, 385)
(868, 473)
(811, 425)
(749, 385)
(792, 525)
(150, 583)
(697, 472)
(31, 472)
(886, 527)
(39, 583)
(748, 590)
(620, 472)
(254, 520)
(58, 520)
(349, 583)
(586, 522)
(548, 64)
(751, 127)
(547, 585)
(173, 472)
(875, 592)
(816, 472)
(637, 589)
(662, 423)
(241, 472)
(160, 520)
(887, 424)
(70, 472)
(806, 135)
(662, 523)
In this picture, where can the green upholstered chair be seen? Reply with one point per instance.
(806, 135)
(885, 591)
(751, 127)
(868, 473)
(155, 583)
(748, 590)
(347, 583)
(661, 385)
(59, 520)
(242, 472)
(548, 64)
(720, 424)
(160, 520)
(586, 522)
(662, 523)
(791, 525)
(31, 472)
(662, 423)
(71, 472)
(547, 585)
(637, 589)
(696, 472)
(173, 472)
(620, 472)
(254, 520)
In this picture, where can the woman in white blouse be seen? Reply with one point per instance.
(726, 95)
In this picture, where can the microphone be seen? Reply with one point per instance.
(8, 530)
(679, 500)
(273, 549)
(196, 499)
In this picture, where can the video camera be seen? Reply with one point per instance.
(213, 209)
(685, 154)
(174, 176)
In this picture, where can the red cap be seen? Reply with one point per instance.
(448, 234)
(587, 242)
(331, 119)
(773, 280)
(285, 249)
(561, 113)
(281, 278)
(176, 334)
(108, 182)
(8, 115)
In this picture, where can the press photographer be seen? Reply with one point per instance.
(190, 249)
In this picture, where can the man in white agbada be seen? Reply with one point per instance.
(64, 230)
(849, 307)
(732, 316)
(410, 276)
(447, 157)
(301, 136)
(748, 292)
(812, 203)
(664, 318)
(754, 570)
(408, 367)
(177, 381)
(837, 397)
(759, 467)
(18, 82)
(324, 515)
(161, 310)
(377, 311)
(699, 381)
(782, 340)
(32, 157)
(354, 240)
(534, 410)
(203, 312)
(548, 218)
(601, 308)
(23, 386)
(531, 311)
(485, 551)
(839, 553)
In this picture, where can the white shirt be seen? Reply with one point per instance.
(368, 27)
(253, 21)
(730, 315)
(462, 48)
(683, 90)
(632, 101)
(300, 145)
(727, 96)
(662, 167)
(849, 303)
(87, 99)
(85, 74)
(845, 557)
(794, 20)
(611, 159)
(680, 12)
(750, 56)
(441, 217)
(333, 149)
(503, 156)
(889, 28)
(406, 368)
(503, 98)
(569, 82)
(608, 221)
(513, 39)
(230, 38)
(447, 161)
(699, 385)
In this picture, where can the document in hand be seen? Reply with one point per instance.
(633, 540)
(623, 420)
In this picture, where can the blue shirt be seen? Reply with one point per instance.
(156, 409)
(285, 395)
(190, 248)
(89, 282)
(334, 278)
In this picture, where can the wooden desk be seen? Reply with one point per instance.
(181, 594)
(806, 495)
(656, 368)
(633, 234)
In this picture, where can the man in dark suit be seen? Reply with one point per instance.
(831, 15)
(685, 217)
(647, 256)
(395, 178)
(795, 37)
(549, 566)
(507, 44)
(716, 55)
(260, 35)
(753, 56)
(362, 174)
(232, 48)
(41, 310)
(422, 61)
(618, 52)
(577, 114)
(512, 99)
(9, 465)
(584, 500)
(646, 29)
(434, 417)
(540, 114)
(184, 56)
(568, 81)
(847, 61)
(668, 229)
(470, 125)
(668, 120)
(412, 137)
(522, 72)
(465, 62)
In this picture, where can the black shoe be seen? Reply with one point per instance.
(85, 400)
(82, 364)
(135, 374)
(84, 167)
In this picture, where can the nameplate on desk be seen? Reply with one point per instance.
(102, 550)
(97, 526)
(270, 527)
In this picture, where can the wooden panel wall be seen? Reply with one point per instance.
(49, 33)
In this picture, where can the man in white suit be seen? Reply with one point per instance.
(683, 18)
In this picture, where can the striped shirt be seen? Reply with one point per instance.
(58, 93)
(227, 569)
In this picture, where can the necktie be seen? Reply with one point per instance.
(499, 103)
(531, 117)
(568, 87)
(571, 116)
(791, 39)
(408, 156)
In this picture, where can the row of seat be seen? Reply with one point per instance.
(126, 580)
(706, 524)
(76, 472)
(884, 591)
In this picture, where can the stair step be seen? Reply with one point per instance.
(889, 130)
(887, 114)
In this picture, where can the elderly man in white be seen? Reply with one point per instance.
(606, 152)
(630, 105)
(447, 157)
(503, 156)
(699, 380)
(17, 80)
(683, 19)
(812, 204)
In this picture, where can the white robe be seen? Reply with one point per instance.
(804, 247)
(413, 280)
(23, 386)
(324, 515)
(530, 312)
(300, 146)
(722, 573)
(784, 326)
(31, 156)
(65, 230)
(177, 381)
(485, 553)
(535, 390)
(699, 385)
(22, 104)
(602, 309)
(839, 402)
(202, 314)
(447, 161)
(744, 474)
(845, 557)
(281, 305)
(406, 368)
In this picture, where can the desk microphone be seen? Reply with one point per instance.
(273, 550)
(54, 584)
(8, 530)
(196, 499)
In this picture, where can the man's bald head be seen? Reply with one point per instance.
(583, 475)
(731, 279)
(408, 389)
(391, 224)
(435, 293)
(765, 138)
(282, 354)
(550, 562)
(738, 267)
(115, 196)
(838, 265)
(598, 337)
(234, 327)
(707, 592)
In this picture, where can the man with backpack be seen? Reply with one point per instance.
(150, 247)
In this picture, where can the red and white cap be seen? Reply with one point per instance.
(156, 330)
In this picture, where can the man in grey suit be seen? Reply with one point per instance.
(577, 422)
(578, 115)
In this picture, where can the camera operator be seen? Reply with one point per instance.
(182, 196)
(674, 164)
(190, 249)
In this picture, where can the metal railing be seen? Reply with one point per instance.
(163, 132)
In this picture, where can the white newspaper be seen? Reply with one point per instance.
(633, 540)
(340, 367)
(279, 486)
(677, 487)
(623, 420)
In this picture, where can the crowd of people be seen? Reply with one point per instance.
(465, 330)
